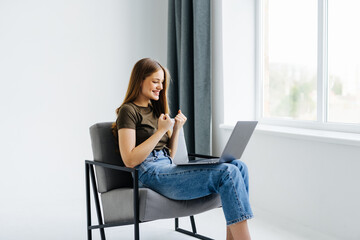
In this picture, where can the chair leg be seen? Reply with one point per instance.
(97, 203)
(136, 205)
(193, 226)
(136, 231)
(88, 206)
(193, 233)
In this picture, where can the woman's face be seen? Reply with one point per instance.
(152, 85)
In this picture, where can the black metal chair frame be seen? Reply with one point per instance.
(90, 175)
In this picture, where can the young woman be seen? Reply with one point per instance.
(148, 140)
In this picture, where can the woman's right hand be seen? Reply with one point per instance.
(165, 123)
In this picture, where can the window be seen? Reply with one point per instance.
(344, 61)
(309, 64)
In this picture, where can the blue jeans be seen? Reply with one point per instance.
(230, 180)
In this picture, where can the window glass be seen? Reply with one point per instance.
(290, 59)
(344, 61)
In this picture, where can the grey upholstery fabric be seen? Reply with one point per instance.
(105, 149)
(118, 205)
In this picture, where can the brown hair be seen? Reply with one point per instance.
(142, 69)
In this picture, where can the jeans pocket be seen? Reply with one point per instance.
(149, 159)
(145, 166)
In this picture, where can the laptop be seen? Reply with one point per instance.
(234, 148)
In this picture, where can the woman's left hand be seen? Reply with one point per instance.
(180, 120)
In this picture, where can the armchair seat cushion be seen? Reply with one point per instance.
(118, 205)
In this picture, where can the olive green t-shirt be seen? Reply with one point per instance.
(143, 120)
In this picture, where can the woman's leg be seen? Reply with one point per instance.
(228, 234)
(239, 231)
(244, 172)
(189, 182)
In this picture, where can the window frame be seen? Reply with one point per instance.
(322, 76)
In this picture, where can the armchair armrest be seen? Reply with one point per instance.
(133, 171)
(200, 155)
(111, 166)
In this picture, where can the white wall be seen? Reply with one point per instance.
(238, 47)
(294, 182)
(233, 37)
(64, 65)
(307, 182)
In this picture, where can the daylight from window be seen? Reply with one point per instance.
(344, 61)
(290, 59)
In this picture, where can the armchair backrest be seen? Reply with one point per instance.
(106, 149)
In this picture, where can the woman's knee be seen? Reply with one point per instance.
(231, 170)
(240, 165)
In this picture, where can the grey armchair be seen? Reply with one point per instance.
(122, 201)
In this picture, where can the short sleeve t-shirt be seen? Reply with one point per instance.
(143, 120)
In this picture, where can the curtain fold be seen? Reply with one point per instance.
(189, 59)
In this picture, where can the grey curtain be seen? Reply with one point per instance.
(189, 59)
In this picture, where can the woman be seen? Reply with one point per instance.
(148, 140)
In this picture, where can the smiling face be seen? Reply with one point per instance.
(152, 85)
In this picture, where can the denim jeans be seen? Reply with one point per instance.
(230, 180)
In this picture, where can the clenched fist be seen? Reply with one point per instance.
(165, 123)
(180, 120)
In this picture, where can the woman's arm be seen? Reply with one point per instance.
(173, 142)
(133, 156)
(180, 120)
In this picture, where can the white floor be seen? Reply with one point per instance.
(212, 224)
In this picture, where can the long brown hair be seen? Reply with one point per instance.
(142, 69)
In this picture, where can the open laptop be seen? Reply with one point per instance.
(234, 148)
